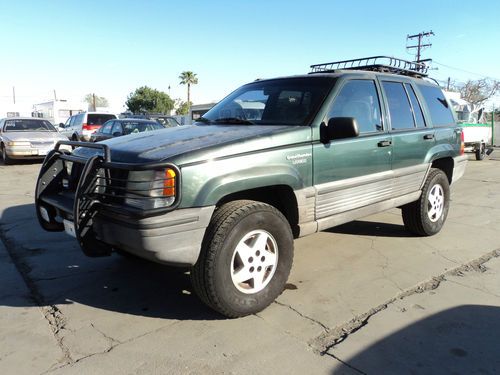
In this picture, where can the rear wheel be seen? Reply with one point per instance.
(427, 215)
(74, 138)
(481, 152)
(246, 258)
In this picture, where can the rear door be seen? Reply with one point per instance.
(447, 135)
(412, 137)
(355, 172)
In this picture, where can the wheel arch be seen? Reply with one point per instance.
(281, 197)
(446, 164)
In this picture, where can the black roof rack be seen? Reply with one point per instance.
(384, 64)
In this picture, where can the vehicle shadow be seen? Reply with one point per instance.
(371, 228)
(59, 273)
(460, 340)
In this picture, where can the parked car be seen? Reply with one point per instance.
(26, 138)
(81, 126)
(228, 195)
(119, 127)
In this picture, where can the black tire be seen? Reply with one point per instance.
(416, 214)
(6, 159)
(211, 276)
(481, 152)
(74, 138)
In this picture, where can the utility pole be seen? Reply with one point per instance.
(93, 102)
(448, 85)
(14, 94)
(420, 45)
(55, 96)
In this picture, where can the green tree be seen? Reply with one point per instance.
(188, 78)
(100, 101)
(148, 100)
(183, 108)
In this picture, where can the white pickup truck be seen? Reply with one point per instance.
(477, 139)
(471, 117)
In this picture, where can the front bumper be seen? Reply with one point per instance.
(90, 198)
(172, 238)
(24, 152)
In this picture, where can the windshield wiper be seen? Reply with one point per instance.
(233, 120)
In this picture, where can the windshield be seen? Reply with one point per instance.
(28, 125)
(287, 101)
(139, 127)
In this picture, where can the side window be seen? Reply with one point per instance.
(67, 124)
(399, 106)
(417, 110)
(117, 128)
(106, 128)
(439, 109)
(79, 119)
(359, 99)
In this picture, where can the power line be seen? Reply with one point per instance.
(465, 71)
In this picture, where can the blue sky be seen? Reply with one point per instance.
(112, 47)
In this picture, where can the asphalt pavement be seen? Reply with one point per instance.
(365, 297)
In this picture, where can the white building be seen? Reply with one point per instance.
(58, 111)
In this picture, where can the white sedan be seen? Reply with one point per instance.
(27, 138)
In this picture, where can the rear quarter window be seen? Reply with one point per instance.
(438, 106)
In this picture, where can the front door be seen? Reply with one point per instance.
(356, 172)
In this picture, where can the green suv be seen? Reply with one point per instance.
(275, 160)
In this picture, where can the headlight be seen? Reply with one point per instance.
(151, 189)
(19, 143)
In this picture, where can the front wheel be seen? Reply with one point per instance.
(246, 258)
(6, 159)
(427, 215)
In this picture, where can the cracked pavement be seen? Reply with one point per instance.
(363, 298)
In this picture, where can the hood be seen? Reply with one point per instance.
(185, 144)
(33, 136)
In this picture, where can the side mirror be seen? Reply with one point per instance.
(61, 125)
(117, 134)
(339, 128)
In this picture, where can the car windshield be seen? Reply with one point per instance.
(139, 127)
(28, 125)
(287, 101)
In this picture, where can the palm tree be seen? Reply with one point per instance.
(188, 78)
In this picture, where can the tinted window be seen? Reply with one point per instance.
(399, 106)
(417, 110)
(117, 128)
(290, 101)
(27, 125)
(98, 119)
(106, 129)
(359, 99)
(438, 106)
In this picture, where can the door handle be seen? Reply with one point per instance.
(384, 143)
(429, 136)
